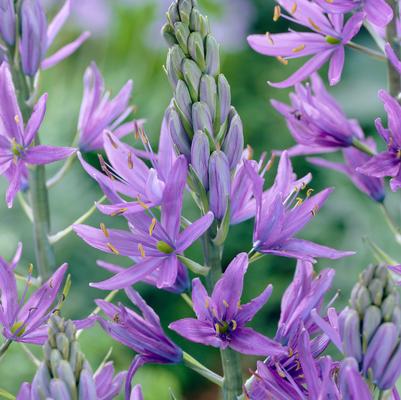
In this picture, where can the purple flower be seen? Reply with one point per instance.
(351, 383)
(108, 385)
(136, 393)
(142, 333)
(157, 244)
(221, 319)
(354, 158)
(325, 43)
(7, 21)
(378, 12)
(278, 219)
(393, 58)
(17, 147)
(99, 112)
(37, 37)
(25, 320)
(316, 121)
(387, 163)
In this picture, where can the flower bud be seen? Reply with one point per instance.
(212, 56)
(351, 336)
(233, 144)
(200, 153)
(58, 390)
(208, 93)
(371, 322)
(224, 97)
(178, 134)
(197, 50)
(199, 23)
(185, 8)
(168, 34)
(173, 14)
(175, 57)
(183, 99)
(201, 118)
(182, 35)
(219, 183)
(7, 21)
(33, 36)
(192, 75)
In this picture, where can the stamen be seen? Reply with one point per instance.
(282, 60)
(299, 201)
(277, 13)
(217, 328)
(250, 152)
(113, 143)
(104, 167)
(315, 210)
(239, 305)
(298, 49)
(130, 163)
(399, 153)
(152, 226)
(141, 250)
(104, 230)
(234, 324)
(112, 249)
(142, 204)
(310, 20)
(51, 284)
(225, 303)
(119, 212)
(294, 8)
(116, 318)
(269, 38)
(17, 119)
(290, 352)
(207, 303)
(309, 192)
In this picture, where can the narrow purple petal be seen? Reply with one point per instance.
(194, 231)
(43, 154)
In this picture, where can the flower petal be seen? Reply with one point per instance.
(41, 154)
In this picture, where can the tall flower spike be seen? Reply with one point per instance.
(221, 319)
(325, 43)
(17, 149)
(37, 36)
(201, 110)
(316, 121)
(142, 333)
(66, 374)
(99, 113)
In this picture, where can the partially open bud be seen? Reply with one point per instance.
(178, 134)
(233, 144)
(224, 97)
(219, 183)
(200, 153)
(7, 21)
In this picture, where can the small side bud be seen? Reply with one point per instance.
(169, 34)
(178, 134)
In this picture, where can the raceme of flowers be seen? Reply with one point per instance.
(202, 152)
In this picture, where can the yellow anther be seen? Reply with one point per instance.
(214, 313)
(280, 371)
(277, 13)
(310, 20)
(116, 318)
(141, 250)
(299, 201)
(113, 249)
(152, 226)
(103, 165)
(17, 119)
(207, 303)
(298, 365)
(30, 269)
(290, 352)
(104, 230)
(298, 49)
(294, 8)
(143, 136)
(399, 153)
(130, 163)
(329, 1)
(142, 204)
(234, 324)
(51, 284)
(239, 305)
(119, 212)
(225, 303)
(309, 192)
(217, 328)
(269, 38)
(113, 143)
(250, 152)
(282, 60)
(315, 210)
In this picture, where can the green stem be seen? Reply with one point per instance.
(187, 300)
(59, 175)
(366, 50)
(196, 366)
(232, 385)
(394, 79)
(362, 147)
(4, 347)
(395, 229)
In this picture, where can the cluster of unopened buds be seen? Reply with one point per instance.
(201, 151)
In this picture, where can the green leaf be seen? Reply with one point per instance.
(224, 227)
(194, 266)
(6, 395)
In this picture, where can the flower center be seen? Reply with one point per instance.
(332, 40)
(16, 148)
(18, 328)
(164, 247)
(224, 329)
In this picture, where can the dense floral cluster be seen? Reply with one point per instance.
(201, 151)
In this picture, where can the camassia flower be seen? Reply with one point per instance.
(280, 214)
(142, 333)
(99, 113)
(316, 121)
(221, 319)
(326, 42)
(387, 163)
(17, 148)
(25, 320)
(156, 244)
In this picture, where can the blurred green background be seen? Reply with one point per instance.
(126, 45)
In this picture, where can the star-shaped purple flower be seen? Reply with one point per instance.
(17, 149)
(326, 42)
(221, 319)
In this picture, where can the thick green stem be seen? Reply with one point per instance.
(196, 366)
(232, 385)
(394, 79)
(4, 347)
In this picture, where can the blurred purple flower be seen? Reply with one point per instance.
(142, 333)
(25, 320)
(278, 218)
(387, 163)
(156, 243)
(99, 113)
(221, 319)
(316, 121)
(17, 142)
(136, 393)
(354, 158)
(7, 21)
(326, 43)
(37, 37)
(108, 385)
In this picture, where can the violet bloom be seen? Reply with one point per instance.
(7, 21)
(387, 163)
(156, 244)
(278, 219)
(17, 148)
(316, 121)
(37, 37)
(221, 319)
(25, 320)
(351, 384)
(99, 113)
(354, 158)
(325, 43)
(136, 393)
(142, 333)
(378, 12)
(108, 385)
